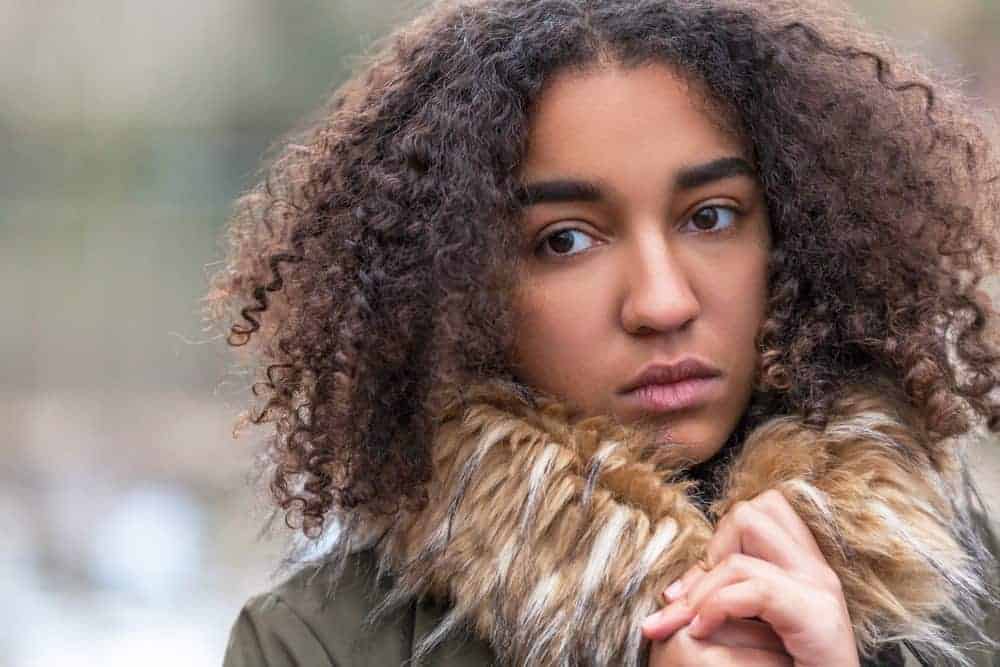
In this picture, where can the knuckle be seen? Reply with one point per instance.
(736, 562)
(743, 514)
(748, 521)
(773, 498)
(695, 577)
(764, 593)
(757, 591)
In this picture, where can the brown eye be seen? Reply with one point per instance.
(713, 218)
(565, 242)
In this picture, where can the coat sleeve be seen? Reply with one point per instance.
(268, 633)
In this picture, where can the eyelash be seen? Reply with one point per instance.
(736, 212)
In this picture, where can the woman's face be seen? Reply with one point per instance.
(645, 249)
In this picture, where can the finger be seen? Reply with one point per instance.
(744, 633)
(746, 529)
(788, 613)
(751, 531)
(774, 503)
(732, 570)
(677, 613)
(683, 584)
(667, 621)
(680, 612)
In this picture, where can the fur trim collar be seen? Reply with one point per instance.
(552, 537)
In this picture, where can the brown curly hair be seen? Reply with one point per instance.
(376, 258)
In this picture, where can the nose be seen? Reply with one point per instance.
(658, 293)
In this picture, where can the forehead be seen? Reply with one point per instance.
(580, 114)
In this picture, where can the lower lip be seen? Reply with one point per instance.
(674, 396)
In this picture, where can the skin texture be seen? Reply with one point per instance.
(650, 272)
(765, 565)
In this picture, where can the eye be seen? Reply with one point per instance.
(564, 242)
(715, 218)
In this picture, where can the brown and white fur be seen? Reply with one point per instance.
(552, 537)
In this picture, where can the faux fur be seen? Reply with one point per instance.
(553, 538)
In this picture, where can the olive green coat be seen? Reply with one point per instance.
(296, 624)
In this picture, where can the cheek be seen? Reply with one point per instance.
(745, 312)
(556, 329)
(734, 305)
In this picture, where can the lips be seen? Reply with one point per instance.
(665, 374)
(671, 387)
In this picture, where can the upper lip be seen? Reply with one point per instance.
(684, 369)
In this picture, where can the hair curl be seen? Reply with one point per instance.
(374, 261)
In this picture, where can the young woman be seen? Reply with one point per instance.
(566, 301)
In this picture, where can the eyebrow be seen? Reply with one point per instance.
(688, 178)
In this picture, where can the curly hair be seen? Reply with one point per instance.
(376, 258)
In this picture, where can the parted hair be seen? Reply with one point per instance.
(377, 257)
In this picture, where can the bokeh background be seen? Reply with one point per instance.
(128, 527)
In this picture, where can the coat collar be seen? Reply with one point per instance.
(551, 537)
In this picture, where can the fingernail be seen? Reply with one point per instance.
(651, 620)
(674, 590)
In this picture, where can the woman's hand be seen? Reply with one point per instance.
(736, 642)
(768, 567)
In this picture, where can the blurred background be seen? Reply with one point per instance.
(128, 527)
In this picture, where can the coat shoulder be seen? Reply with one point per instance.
(311, 620)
